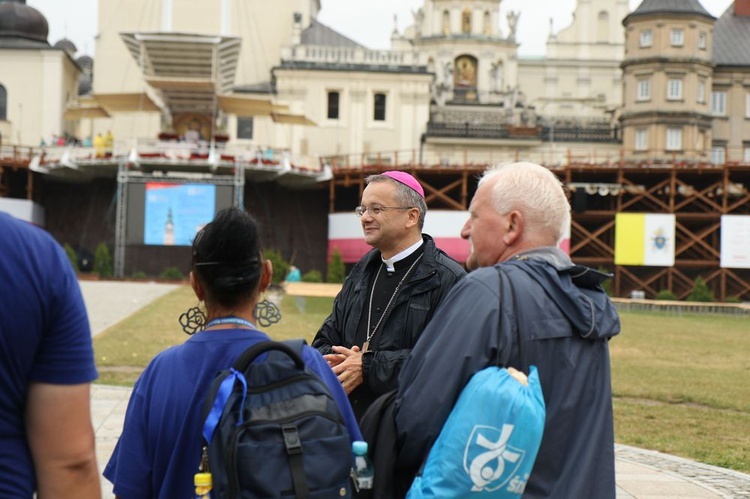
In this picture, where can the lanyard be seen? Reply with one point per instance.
(230, 320)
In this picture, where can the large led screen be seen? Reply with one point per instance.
(171, 213)
(176, 212)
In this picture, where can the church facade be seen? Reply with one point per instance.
(451, 89)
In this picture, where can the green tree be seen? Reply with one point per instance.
(172, 273)
(312, 276)
(103, 261)
(666, 295)
(71, 256)
(336, 268)
(280, 266)
(701, 292)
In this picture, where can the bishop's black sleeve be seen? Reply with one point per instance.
(331, 333)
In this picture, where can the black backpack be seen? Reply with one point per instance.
(274, 430)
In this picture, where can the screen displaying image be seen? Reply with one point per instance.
(174, 213)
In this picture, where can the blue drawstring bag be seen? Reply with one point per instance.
(489, 443)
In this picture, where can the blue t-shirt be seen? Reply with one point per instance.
(44, 337)
(160, 447)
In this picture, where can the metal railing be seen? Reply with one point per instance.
(679, 308)
(348, 55)
(17, 154)
(580, 133)
(595, 134)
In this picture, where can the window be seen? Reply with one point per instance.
(644, 89)
(747, 105)
(3, 104)
(718, 155)
(466, 21)
(674, 139)
(602, 27)
(641, 139)
(674, 89)
(379, 107)
(333, 105)
(746, 155)
(646, 39)
(677, 37)
(719, 103)
(244, 128)
(702, 40)
(701, 91)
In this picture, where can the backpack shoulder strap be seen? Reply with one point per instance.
(223, 385)
(297, 345)
(516, 310)
(290, 348)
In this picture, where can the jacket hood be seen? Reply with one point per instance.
(576, 290)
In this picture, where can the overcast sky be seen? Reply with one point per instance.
(365, 21)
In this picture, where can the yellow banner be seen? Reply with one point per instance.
(630, 234)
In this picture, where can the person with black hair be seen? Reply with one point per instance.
(159, 450)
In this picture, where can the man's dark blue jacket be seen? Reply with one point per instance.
(565, 321)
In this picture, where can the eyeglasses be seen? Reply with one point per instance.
(376, 209)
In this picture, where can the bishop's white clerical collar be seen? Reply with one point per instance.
(391, 262)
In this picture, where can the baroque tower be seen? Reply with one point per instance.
(667, 75)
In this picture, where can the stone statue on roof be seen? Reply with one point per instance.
(513, 23)
(418, 20)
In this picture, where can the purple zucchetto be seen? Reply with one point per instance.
(407, 180)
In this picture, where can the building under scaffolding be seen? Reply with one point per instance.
(698, 194)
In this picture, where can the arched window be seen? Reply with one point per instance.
(3, 104)
(466, 21)
(602, 27)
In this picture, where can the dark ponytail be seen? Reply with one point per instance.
(227, 257)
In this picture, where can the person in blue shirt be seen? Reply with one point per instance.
(294, 274)
(159, 450)
(46, 367)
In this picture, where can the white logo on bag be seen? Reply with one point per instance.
(486, 455)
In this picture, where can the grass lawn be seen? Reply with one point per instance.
(681, 384)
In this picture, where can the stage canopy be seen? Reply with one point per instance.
(188, 70)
